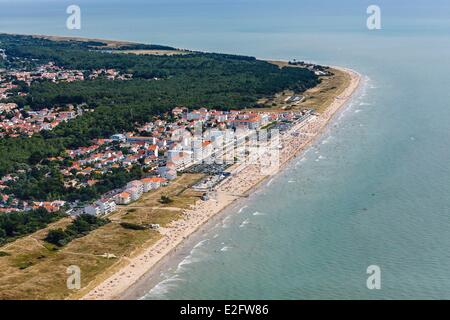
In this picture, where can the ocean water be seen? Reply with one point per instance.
(373, 190)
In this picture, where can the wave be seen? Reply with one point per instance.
(258, 213)
(327, 140)
(186, 261)
(161, 289)
(244, 223)
(201, 243)
(242, 209)
(225, 222)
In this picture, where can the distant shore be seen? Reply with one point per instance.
(142, 271)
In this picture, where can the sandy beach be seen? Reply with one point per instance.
(244, 179)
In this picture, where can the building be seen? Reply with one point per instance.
(168, 172)
(123, 198)
(54, 206)
(153, 150)
(135, 193)
(252, 122)
(178, 111)
(107, 206)
(135, 139)
(152, 183)
(136, 184)
(135, 189)
(93, 210)
(198, 115)
(119, 138)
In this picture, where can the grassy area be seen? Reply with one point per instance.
(110, 44)
(318, 98)
(30, 268)
(114, 44)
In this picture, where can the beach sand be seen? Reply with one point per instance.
(244, 178)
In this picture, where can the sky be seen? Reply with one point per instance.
(161, 19)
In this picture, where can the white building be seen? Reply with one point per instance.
(93, 210)
(106, 206)
(152, 183)
(123, 198)
(135, 193)
(136, 184)
(135, 189)
(119, 137)
(168, 172)
(101, 207)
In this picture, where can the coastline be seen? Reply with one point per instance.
(142, 270)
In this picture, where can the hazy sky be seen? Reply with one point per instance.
(326, 7)
(176, 20)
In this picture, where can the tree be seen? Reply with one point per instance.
(56, 237)
(165, 200)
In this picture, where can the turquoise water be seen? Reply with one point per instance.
(375, 187)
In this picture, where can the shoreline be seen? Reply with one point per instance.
(143, 270)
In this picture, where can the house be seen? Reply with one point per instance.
(178, 111)
(123, 198)
(49, 206)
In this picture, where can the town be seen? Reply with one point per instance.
(200, 140)
(163, 149)
(16, 121)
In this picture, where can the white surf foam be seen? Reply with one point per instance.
(186, 262)
(244, 223)
(257, 213)
(162, 288)
(242, 209)
(201, 243)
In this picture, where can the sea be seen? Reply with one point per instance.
(373, 190)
